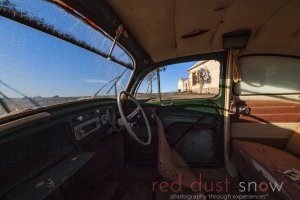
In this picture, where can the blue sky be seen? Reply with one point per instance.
(39, 64)
(169, 77)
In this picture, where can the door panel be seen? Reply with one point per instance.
(195, 133)
(199, 144)
(269, 86)
(263, 130)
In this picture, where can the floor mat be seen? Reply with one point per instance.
(208, 177)
(219, 175)
(138, 191)
(136, 181)
(106, 193)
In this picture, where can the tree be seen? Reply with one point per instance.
(152, 76)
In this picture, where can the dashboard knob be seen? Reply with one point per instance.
(50, 183)
(81, 132)
(79, 118)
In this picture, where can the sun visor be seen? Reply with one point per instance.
(236, 39)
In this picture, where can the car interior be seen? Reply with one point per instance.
(143, 139)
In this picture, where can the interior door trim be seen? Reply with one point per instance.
(263, 130)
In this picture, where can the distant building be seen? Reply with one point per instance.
(183, 84)
(203, 78)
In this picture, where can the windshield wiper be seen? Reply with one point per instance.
(36, 104)
(114, 81)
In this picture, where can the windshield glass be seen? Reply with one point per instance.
(37, 69)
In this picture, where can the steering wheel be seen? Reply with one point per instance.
(126, 119)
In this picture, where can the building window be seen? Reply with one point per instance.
(194, 75)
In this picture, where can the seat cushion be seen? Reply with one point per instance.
(257, 161)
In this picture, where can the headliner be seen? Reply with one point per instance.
(158, 25)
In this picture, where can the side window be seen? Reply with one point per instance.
(268, 75)
(189, 80)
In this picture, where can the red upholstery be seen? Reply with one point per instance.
(258, 162)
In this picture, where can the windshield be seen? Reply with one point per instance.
(38, 69)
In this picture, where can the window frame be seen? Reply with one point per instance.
(217, 56)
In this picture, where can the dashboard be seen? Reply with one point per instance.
(88, 122)
(40, 151)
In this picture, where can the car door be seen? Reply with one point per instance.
(189, 98)
(269, 92)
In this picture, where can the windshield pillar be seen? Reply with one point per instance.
(5, 105)
(158, 83)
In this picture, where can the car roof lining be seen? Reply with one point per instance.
(160, 25)
(156, 28)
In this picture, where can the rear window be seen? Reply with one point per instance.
(268, 75)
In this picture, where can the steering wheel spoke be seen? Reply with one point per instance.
(133, 114)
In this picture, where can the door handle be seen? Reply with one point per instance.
(243, 110)
(167, 104)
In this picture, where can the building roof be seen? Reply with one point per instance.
(198, 64)
(182, 79)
